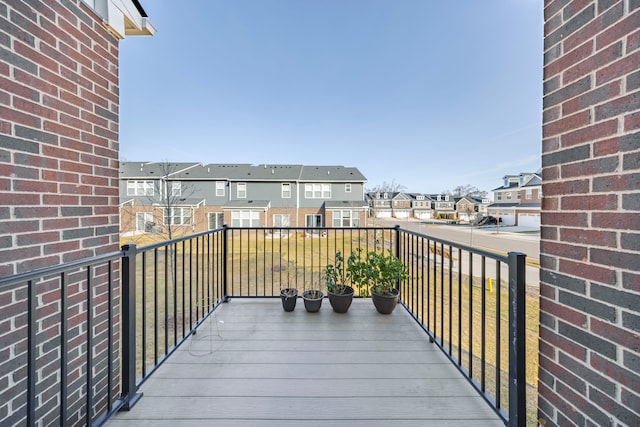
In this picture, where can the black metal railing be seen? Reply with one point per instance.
(62, 346)
(470, 303)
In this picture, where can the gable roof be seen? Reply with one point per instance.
(239, 172)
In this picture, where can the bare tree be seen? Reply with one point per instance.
(392, 187)
(466, 191)
(162, 204)
(173, 196)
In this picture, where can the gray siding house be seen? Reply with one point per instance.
(193, 197)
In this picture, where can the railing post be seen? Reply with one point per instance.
(397, 228)
(225, 256)
(128, 297)
(517, 322)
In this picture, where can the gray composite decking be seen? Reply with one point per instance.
(252, 364)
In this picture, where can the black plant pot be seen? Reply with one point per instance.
(289, 296)
(341, 302)
(312, 300)
(385, 303)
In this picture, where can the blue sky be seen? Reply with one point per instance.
(422, 93)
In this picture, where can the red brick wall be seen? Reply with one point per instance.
(58, 194)
(590, 246)
(58, 135)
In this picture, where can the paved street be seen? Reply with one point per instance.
(498, 239)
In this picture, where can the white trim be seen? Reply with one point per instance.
(121, 17)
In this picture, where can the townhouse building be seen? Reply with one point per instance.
(401, 205)
(194, 197)
(518, 200)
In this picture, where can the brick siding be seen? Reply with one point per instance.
(590, 256)
(59, 195)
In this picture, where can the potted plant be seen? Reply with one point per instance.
(289, 297)
(378, 273)
(338, 289)
(312, 300)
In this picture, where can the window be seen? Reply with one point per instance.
(144, 221)
(540, 193)
(177, 216)
(241, 190)
(176, 189)
(216, 220)
(286, 190)
(317, 191)
(509, 195)
(346, 219)
(518, 195)
(498, 196)
(219, 188)
(281, 220)
(347, 188)
(139, 188)
(313, 221)
(245, 219)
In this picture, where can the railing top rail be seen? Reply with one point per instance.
(6, 282)
(177, 240)
(311, 228)
(478, 251)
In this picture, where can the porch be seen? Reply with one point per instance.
(253, 364)
(195, 324)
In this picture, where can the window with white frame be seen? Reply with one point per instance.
(177, 216)
(347, 188)
(498, 196)
(176, 188)
(317, 191)
(219, 188)
(215, 220)
(540, 193)
(509, 195)
(241, 190)
(245, 219)
(144, 221)
(286, 190)
(528, 193)
(139, 188)
(282, 220)
(345, 218)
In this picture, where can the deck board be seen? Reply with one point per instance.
(253, 364)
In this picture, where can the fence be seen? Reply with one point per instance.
(469, 302)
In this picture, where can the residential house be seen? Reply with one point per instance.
(422, 206)
(444, 206)
(380, 204)
(467, 208)
(193, 197)
(401, 204)
(518, 200)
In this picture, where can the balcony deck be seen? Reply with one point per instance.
(252, 364)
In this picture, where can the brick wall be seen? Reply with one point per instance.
(590, 246)
(58, 135)
(59, 197)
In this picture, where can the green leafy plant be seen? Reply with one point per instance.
(376, 272)
(334, 275)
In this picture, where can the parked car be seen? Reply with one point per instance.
(486, 220)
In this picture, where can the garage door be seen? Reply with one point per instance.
(508, 219)
(529, 220)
